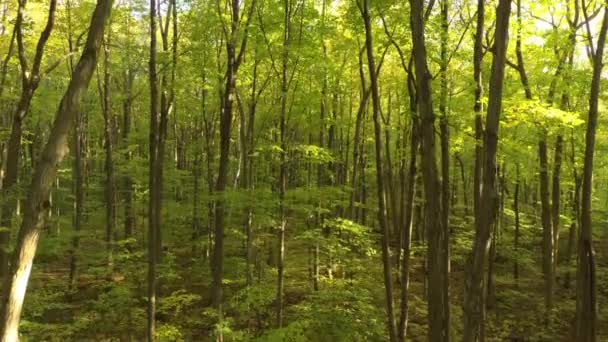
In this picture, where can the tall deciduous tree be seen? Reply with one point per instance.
(382, 215)
(30, 79)
(473, 302)
(234, 57)
(586, 295)
(438, 309)
(44, 175)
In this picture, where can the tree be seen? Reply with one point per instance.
(30, 79)
(586, 309)
(438, 309)
(44, 175)
(234, 57)
(382, 219)
(473, 302)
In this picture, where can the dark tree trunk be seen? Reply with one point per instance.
(547, 228)
(153, 215)
(555, 201)
(516, 234)
(586, 311)
(438, 309)
(283, 159)
(473, 301)
(382, 218)
(478, 107)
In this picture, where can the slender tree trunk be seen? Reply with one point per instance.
(516, 234)
(109, 148)
(233, 61)
(572, 236)
(129, 219)
(78, 179)
(438, 309)
(382, 219)
(465, 197)
(473, 301)
(44, 175)
(555, 201)
(406, 235)
(586, 311)
(547, 228)
(283, 158)
(445, 159)
(152, 179)
(478, 107)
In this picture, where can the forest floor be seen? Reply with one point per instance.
(103, 308)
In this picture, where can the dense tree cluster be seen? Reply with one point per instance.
(303, 170)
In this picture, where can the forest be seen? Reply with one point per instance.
(303, 170)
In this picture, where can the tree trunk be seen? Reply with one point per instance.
(516, 234)
(586, 311)
(153, 215)
(44, 174)
(445, 159)
(233, 60)
(478, 53)
(78, 179)
(382, 219)
(438, 309)
(406, 234)
(283, 158)
(547, 228)
(473, 301)
(555, 201)
(110, 186)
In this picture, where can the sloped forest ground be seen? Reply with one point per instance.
(349, 305)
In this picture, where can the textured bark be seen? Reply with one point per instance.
(44, 175)
(473, 301)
